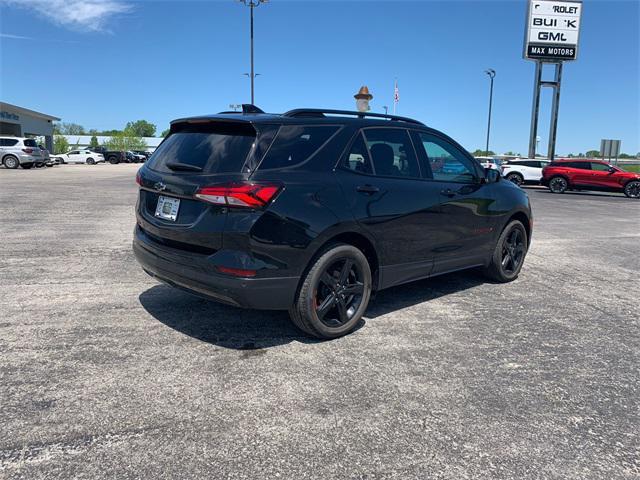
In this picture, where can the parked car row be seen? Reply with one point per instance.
(573, 174)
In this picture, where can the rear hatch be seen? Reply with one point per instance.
(196, 154)
(31, 147)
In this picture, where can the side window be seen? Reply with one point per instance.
(581, 165)
(392, 152)
(296, 143)
(599, 167)
(447, 163)
(358, 158)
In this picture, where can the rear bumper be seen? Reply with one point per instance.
(195, 273)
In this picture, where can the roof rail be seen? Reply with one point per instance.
(246, 108)
(320, 112)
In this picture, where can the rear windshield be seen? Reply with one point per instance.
(215, 148)
(296, 143)
(30, 142)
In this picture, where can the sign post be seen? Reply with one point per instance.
(551, 36)
(610, 148)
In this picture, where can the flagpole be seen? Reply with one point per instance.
(395, 101)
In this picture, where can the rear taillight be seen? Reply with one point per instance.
(239, 194)
(138, 179)
(27, 150)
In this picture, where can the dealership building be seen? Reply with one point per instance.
(22, 122)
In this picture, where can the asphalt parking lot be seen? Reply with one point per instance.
(107, 374)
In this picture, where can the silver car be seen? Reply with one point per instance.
(19, 152)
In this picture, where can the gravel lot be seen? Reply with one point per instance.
(104, 373)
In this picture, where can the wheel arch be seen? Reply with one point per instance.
(523, 218)
(350, 237)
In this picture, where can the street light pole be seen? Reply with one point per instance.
(492, 73)
(252, 4)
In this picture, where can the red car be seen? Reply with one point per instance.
(571, 174)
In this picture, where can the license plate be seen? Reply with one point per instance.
(167, 208)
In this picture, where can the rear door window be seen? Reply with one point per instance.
(8, 142)
(392, 152)
(357, 159)
(295, 144)
(212, 147)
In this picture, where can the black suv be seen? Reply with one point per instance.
(312, 210)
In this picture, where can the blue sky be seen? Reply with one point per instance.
(102, 63)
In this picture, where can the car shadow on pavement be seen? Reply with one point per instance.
(409, 294)
(242, 329)
(223, 325)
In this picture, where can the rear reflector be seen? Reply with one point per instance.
(239, 194)
(27, 150)
(236, 272)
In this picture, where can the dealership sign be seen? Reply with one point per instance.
(553, 30)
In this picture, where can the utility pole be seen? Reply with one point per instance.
(492, 73)
(252, 4)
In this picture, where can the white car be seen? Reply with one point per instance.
(80, 156)
(489, 162)
(525, 170)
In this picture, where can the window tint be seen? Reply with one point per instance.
(8, 142)
(296, 143)
(447, 162)
(581, 165)
(600, 167)
(391, 152)
(30, 142)
(214, 147)
(358, 158)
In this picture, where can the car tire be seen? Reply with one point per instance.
(11, 162)
(509, 253)
(515, 178)
(113, 160)
(632, 189)
(558, 184)
(91, 161)
(334, 293)
(26, 166)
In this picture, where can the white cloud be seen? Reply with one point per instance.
(83, 15)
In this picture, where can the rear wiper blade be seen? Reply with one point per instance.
(183, 166)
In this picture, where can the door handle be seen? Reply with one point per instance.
(368, 189)
(448, 193)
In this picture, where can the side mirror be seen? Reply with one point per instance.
(612, 170)
(491, 175)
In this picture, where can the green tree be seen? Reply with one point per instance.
(126, 140)
(165, 132)
(141, 128)
(70, 129)
(60, 144)
(592, 153)
(110, 133)
(93, 143)
(483, 153)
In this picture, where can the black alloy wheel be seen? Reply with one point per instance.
(334, 293)
(513, 250)
(338, 293)
(558, 185)
(632, 189)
